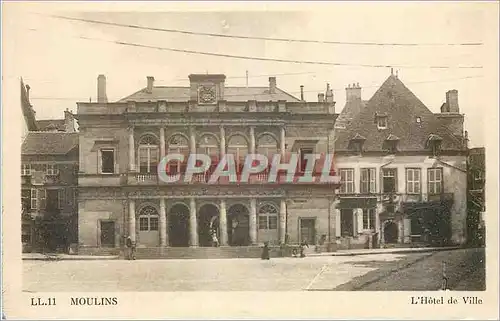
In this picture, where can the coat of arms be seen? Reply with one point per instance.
(206, 95)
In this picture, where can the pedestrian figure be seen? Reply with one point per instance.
(265, 252)
(131, 249)
(302, 246)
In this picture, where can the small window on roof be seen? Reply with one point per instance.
(419, 120)
(381, 122)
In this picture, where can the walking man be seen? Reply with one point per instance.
(131, 249)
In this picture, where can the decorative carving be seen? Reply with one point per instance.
(207, 94)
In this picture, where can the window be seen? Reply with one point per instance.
(413, 181)
(382, 122)
(418, 120)
(51, 169)
(26, 170)
(177, 144)
(303, 160)
(107, 161)
(61, 198)
(208, 145)
(34, 198)
(368, 181)
(239, 148)
(26, 199)
(148, 219)
(268, 217)
(435, 180)
(478, 175)
(389, 177)
(368, 218)
(347, 181)
(52, 203)
(267, 145)
(148, 154)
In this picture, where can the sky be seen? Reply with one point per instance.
(62, 68)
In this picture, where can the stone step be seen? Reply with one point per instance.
(201, 252)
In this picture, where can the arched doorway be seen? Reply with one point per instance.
(178, 225)
(148, 226)
(238, 226)
(208, 225)
(390, 232)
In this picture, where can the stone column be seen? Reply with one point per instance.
(282, 142)
(131, 219)
(222, 141)
(223, 223)
(252, 140)
(162, 143)
(282, 221)
(131, 150)
(193, 224)
(253, 221)
(192, 140)
(163, 223)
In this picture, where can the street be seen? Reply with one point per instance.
(415, 271)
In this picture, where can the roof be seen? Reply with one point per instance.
(49, 143)
(351, 109)
(180, 94)
(51, 124)
(402, 108)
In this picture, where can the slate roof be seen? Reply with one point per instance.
(49, 143)
(180, 94)
(351, 109)
(51, 124)
(402, 108)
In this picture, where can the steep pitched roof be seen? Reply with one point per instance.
(49, 143)
(51, 124)
(402, 108)
(351, 109)
(180, 94)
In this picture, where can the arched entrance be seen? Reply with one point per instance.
(390, 232)
(208, 225)
(148, 226)
(178, 225)
(238, 226)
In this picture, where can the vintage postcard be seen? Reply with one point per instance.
(250, 160)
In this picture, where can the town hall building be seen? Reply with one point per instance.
(121, 144)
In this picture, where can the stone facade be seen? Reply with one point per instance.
(121, 143)
(403, 171)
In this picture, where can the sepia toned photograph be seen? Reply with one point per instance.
(313, 151)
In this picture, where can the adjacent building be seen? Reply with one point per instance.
(122, 142)
(476, 204)
(402, 168)
(49, 167)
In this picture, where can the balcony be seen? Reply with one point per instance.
(52, 179)
(100, 179)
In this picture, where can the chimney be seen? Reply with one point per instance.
(321, 98)
(272, 85)
(302, 92)
(452, 101)
(28, 93)
(329, 94)
(69, 121)
(149, 88)
(101, 89)
(353, 92)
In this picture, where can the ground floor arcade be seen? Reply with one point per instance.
(202, 218)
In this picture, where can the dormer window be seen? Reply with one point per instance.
(418, 120)
(356, 143)
(434, 144)
(391, 144)
(381, 120)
